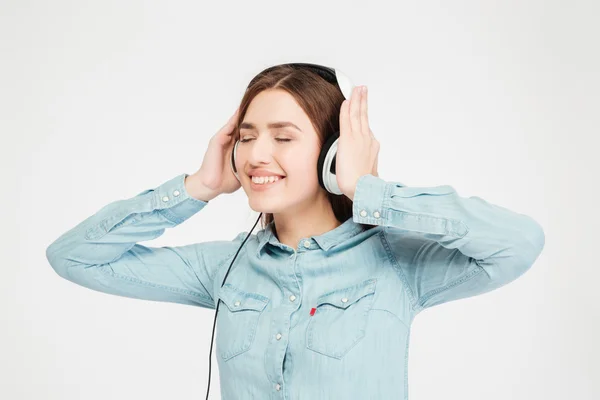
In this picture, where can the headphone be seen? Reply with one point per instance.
(325, 164)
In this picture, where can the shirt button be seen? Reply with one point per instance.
(363, 213)
(292, 298)
(344, 300)
(307, 244)
(176, 193)
(278, 336)
(165, 198)
(376, 214)
(278, 386)
(237, 303)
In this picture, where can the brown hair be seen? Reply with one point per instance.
(320, 100)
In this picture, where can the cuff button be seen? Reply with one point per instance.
(376, 214)
(363, 213)
(165, 198)
(176, 193)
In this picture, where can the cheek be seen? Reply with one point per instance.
(302, 177)
(302, 166)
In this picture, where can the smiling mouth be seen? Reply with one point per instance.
(269, 184)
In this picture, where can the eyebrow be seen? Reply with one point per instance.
(272, 125)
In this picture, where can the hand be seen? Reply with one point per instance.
(358, 150)
(215, 173)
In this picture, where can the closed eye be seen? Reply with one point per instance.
(278, 139)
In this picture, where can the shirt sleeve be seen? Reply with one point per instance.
(102, 252)
(444, 246)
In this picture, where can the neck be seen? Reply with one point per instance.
(315, 219)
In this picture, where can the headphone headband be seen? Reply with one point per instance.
(331, 75)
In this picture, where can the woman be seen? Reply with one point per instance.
(319, 303)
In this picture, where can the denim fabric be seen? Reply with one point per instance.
(423, 246)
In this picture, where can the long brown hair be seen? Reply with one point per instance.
(320, 100)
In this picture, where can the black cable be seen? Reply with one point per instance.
(219, 302)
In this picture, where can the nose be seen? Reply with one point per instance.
(259, 150)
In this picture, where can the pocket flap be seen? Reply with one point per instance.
(236, 299)
(342, 298)
(412, 191)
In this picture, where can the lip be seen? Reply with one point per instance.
(262, 187)
(264, 173)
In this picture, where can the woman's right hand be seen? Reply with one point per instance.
(215, 174)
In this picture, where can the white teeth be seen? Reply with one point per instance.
(264, 179)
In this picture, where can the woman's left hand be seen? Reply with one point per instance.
(358, 150)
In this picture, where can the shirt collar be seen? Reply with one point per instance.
(327, 240)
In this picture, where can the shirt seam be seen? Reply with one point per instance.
(171, 217)
(460, 280)
(220, 265)
(398, 269)
(389, 312)
(107, 271)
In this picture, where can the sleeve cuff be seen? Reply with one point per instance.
(371, 200)
(174, 202)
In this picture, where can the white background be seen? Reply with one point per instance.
(101, 100)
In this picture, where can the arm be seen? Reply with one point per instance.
(102, 252)
(445, 246)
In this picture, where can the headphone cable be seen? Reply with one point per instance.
(219, 302)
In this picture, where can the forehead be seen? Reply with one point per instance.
(276, 105)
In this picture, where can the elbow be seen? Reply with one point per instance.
(516, 259)
(530, 248)
(55, 261)
(535, 240)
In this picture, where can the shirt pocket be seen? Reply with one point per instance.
(340, 319)
(238, 321)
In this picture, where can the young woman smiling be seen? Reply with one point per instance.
(320, 302)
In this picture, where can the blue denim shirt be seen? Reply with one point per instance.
(329, 319)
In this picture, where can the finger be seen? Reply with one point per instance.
(355, 111)
(228, 128)
(344, 118)
(364, 120)
(235, 116)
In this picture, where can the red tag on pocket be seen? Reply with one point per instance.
(312, 311)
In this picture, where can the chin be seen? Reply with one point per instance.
(264, 206)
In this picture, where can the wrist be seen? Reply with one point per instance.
(198, 190)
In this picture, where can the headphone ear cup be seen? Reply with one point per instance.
(232, 160)
(326, 165)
